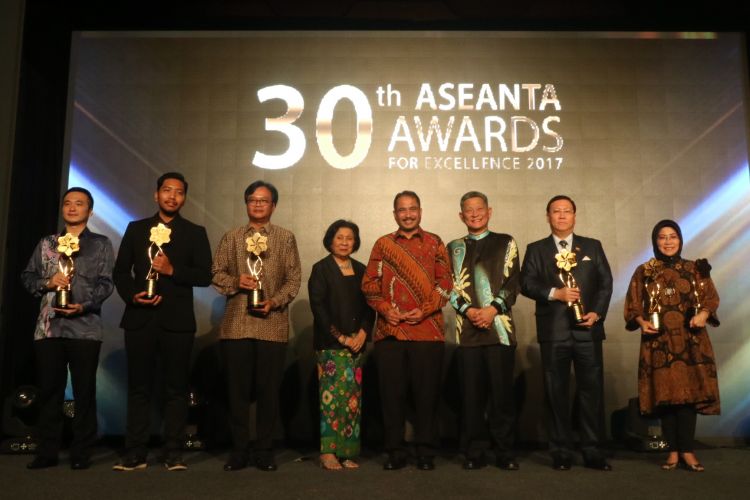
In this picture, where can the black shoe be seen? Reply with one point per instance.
(130, 463)
(561, 463)
(40, 462)
(79, 463)
(266, 464)
(507, 464)
(598, 464)
(473, 463)
(394, 462)
(425, 463)
(175, 463)
(235, 463)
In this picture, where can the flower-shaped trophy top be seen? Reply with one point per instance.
(159, 236)
(256, 245)
(67, 245)
(566, 260)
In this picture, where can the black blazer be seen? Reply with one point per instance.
(190, 255)
(333, 303)
(539, 274)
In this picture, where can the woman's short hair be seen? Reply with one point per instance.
(333, 229)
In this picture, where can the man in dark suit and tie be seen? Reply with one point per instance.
(564, 340)
(162, 326)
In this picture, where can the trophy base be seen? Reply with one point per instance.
(655, 320)
(255, 301)
(150, 289)
(62, 299)
(689, 314)
(578, 313)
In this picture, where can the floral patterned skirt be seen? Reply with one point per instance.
(340, 386)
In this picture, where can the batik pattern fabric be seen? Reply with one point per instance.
(340, 388)
(281, 278)
(676, 366)
(91, 285)
(486, 273)
(409, 273)
(47, 256)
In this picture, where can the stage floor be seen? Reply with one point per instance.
(299, 476)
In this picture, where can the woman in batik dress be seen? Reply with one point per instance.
(671, 299)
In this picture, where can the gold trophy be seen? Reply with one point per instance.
(566, 261)
(698, 301)
(256, 245)
(654, 309)
(66, 246)
(159, 236)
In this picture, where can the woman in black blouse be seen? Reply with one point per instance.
(342, 323)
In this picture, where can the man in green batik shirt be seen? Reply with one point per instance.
(486, 283)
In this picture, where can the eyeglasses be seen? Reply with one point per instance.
(258, 201)
(668, 237)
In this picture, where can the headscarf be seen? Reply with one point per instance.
(655, 235)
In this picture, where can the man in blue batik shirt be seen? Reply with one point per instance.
(71, 337)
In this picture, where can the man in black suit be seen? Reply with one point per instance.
(563, 340)
(162, 326)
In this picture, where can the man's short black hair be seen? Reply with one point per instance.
(411, 194)
(259, 184)
(333, 229)
(171, 175)
(561, 197)
(81, 190)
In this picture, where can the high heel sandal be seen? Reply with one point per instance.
(350, 464)
(669, 465)
(696, 467)
(330, 463)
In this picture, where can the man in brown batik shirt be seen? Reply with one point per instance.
(255, 343)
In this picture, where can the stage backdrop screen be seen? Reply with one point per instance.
(635, 127)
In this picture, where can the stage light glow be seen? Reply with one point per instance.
(724, 200)
(727, 199)
(106, 207)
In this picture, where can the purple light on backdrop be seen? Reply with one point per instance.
(727, 199)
